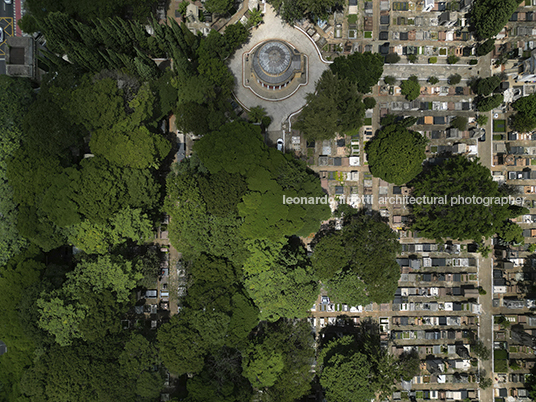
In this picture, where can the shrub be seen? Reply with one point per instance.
(455, 79)
(485, 48)
(481, 119)
(472, 62)
(392, 58)
(369, 102)
(389, 80)
(412, 58)
(432, 60)
(433, 80)
(453, 59)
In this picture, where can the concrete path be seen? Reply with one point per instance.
(274, 28)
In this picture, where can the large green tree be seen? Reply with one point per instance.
(363, 69)
(490, 16)
(525, 118)
(280, 280)
(396, 154)
(460, 177)
(411, 88)
(335, 107)
(358, 262)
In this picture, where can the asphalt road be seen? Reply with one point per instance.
(7, 24)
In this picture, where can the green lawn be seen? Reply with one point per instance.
(368, 121)
(500, 361)
(498, 137)
(499, 126)
(368, 34)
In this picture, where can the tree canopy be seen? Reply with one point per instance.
(460, 177)
(525, 118)
(410, 88)
(490, 16)
(292, 10)
(336, 107)
(485, 104)
(363, 69)
(396, 154)
(348, 260)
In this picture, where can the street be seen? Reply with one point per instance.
(7, 23)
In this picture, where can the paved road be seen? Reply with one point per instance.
(7, 24)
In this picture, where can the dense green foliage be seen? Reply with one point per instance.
(294, 10)
(490, 16)
(363, 69)
(454, 79)
(392, 58)
(486, 86)
(336, 107)
(88, 11)
(410, 88)
(485, 104)
(486, 47)
(355, 367)
(396, 154)
(348, 260)
(15, 97)
(461, 177)
(525, 118)
(459, 122)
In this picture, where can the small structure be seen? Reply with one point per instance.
(20, 57)
(428, 6)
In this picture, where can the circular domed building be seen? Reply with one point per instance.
(274, 66)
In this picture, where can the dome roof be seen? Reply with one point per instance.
(274, 57)
(274, 62)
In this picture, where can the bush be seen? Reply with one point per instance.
(453, 59)
(433, 80)
(481, 119)
(472, 62)
(389, 80)
(392, 58)
(412, 58)
(532, 248)
(481, 291)
(369, 103)
(432, 60)
(455, 79)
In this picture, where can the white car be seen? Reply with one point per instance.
(280, 144)
(1, 35)
(7, 1)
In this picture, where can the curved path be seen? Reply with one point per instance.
(274, 28)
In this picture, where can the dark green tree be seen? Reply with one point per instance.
(490, 16)
(486, 86)
(460, 177)
(392, 58)
(486, 47)
(364, 69)
(396, 154)
(367, 243)
(459, 122)
(485, 104)
(454, 79)
(411, 88)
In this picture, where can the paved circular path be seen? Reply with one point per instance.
(274, 28)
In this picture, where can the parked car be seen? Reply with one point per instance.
(280, 144)
(483, 136)
(1, 35)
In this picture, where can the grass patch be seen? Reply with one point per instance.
(368, 34)
(433, 149)
(498, 137)
(368, 121)
(432, 60)
(442, 52)
(500, 361)
(352, 18)
(533, 161)
(499, 126)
